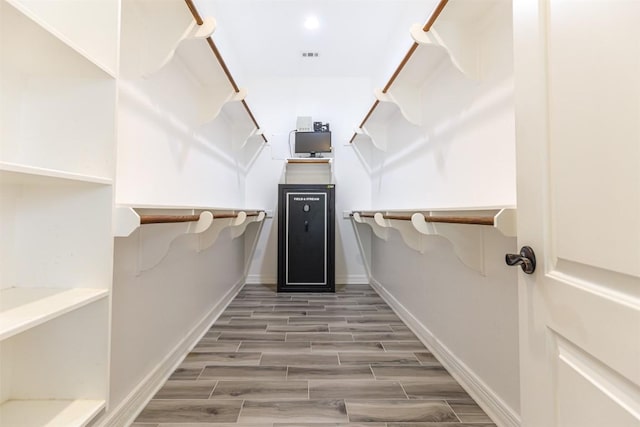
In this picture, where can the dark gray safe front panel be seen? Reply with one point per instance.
(306, 238)
(306, 245)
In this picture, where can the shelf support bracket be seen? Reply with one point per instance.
(380, 232)
(194, 31)
(208, 238)
(239, 229)
(410, 236)
(155, 240)
(467, 239)
(459, 47)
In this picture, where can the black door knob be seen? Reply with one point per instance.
(526, 259)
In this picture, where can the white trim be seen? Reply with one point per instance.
(501, 413)
(346, 279)
(261, 279)
(352, 279)
(127, 411)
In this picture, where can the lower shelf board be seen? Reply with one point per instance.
(49, 413)
(24, 308)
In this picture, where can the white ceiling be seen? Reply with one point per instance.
(356, 38)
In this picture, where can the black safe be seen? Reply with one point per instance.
(306, 238)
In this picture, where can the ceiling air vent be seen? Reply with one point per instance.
(310, 54)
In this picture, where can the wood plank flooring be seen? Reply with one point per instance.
(311, 360)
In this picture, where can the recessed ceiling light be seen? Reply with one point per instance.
(311, 23)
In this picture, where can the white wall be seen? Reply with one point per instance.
(171, 155)
(166, 155)
(463, 156)
(332, 100)
(154, 311)
(474, 316)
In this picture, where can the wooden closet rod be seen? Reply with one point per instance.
(474, 220)
(216, 52)
(427, 26)
(232, 215)
(221, 216)
(194, 12)
(165, 219)
(223, 64)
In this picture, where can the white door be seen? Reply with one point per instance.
(577, 71)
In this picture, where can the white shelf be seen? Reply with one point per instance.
(479, 210)
(246, 138)
(31, 174)
(467, 238)
(152, 32)
(309, 160)
(251, 150)
(377, 127)
(49, 413)
(308, 171)
(174, 209)
(405, 93)
(454, 41)
(57, 109)
(204, 68)
(24, 308)
(66, 20)
(242, 127)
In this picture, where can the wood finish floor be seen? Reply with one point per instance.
(343, 359)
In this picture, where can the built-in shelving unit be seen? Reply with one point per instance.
(49, 83)
(451, 38)
(308, 170)
(463, 228)
(74, 77)
(173, 83)
(58, 85)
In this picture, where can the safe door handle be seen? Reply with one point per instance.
(306, 226)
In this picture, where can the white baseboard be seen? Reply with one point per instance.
(348, 279)
(352, 279)
(125, 413)
(493, 405)
(259, 279)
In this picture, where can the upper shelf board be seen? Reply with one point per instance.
(24, 308)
